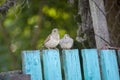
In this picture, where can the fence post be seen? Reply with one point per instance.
(109, 65)
(90, 64)
(51, 65)
(31, 64)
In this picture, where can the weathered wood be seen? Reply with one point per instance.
(71, 64)
(31, 64)
(7, 75)
(19, 77)
(90, 64)
(51, 64)
(11, 72)
(99, 22)
(15, 77)
(109, 65)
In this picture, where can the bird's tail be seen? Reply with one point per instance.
(42, 47)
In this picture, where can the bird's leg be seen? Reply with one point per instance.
(55, 48)
(48, 48)
(69, 49)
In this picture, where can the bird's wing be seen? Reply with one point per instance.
(68, 40)
(47, 39)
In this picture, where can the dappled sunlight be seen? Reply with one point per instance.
(8, 22)
(50, 11)
(62, 32)
(55, 13)
(27, 32)
(33, 20)
(65, 15)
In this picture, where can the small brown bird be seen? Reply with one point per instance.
(66, 42)
(53, 39)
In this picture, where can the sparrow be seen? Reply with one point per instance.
(66, 42)
(53, 39)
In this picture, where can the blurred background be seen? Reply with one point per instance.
(27, 23)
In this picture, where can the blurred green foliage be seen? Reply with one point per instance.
(25, 18)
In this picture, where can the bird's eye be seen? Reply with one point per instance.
(55, 30)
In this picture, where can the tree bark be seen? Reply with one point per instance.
(99, 23)
(86, 26)
(93, 22)
(113, 18)
(5, 6)
(38, 27)
(36, 33)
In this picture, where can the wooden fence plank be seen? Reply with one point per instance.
(90, 64)
(19, 77)
(14, 72)
(71, 64)
(31, 64)
(15, 77)
(51, 63)
(109, 65)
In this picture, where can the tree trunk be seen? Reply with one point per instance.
(6, 37)
(85, 26)
(99, 23)
(113, 18)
